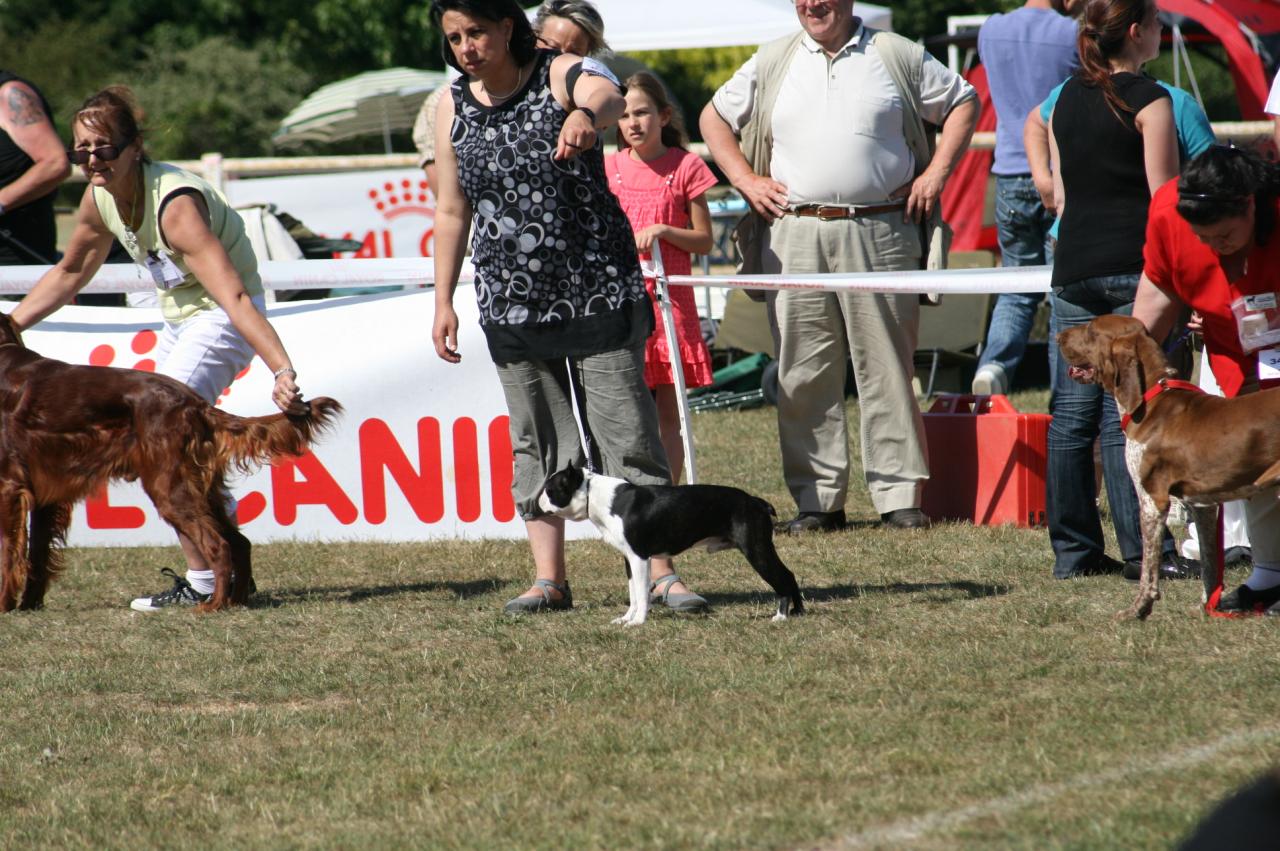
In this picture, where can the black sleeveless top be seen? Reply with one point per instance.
(1104, 224)
(557, 273)
(31, 225)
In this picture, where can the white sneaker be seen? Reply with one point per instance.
(990, 380)
(181, 595)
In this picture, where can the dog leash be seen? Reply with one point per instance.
(1183, 338)
(21, 247)
(576, 391)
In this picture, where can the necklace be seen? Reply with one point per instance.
(1236, 266)
(131, 238)
(494, 96)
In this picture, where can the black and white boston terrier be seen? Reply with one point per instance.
(648, 521)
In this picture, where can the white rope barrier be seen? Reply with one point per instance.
(275, 274)
(1011, 279)
(419, 272)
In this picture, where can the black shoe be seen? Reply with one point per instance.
(1245, 599)
(1238, 556)
(1104, 566)
(815, 521)
(905, 518)
(1172, 566)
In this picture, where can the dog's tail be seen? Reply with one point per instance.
(245, 442)
(9, 332)
(765, 506)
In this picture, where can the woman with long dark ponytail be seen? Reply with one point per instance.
(1113, 141)
(1212, 246)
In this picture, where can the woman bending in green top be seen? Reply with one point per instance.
(192, 243)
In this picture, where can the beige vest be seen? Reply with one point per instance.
(160, 181)
(903, 58)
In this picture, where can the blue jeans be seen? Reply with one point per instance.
(1022, 226)
(1081, 413)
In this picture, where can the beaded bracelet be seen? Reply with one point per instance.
(282, 370)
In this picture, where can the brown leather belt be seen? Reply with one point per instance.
(828, 212)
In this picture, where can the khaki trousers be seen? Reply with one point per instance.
(819, 333)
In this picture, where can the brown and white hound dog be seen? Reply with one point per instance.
(1202, 449)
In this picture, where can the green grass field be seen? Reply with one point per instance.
(942, 692)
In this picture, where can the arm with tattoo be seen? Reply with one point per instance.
(24, 108)
(22, 116)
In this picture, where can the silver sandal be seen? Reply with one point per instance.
(545, 603)
(687, 603)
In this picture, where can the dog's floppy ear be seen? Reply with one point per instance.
(1123, 373)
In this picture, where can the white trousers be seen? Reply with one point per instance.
(205, 352)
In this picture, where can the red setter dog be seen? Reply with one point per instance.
(66, 430)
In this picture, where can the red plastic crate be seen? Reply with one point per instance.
(986, 461)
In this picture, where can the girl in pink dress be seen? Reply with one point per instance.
(662, 188)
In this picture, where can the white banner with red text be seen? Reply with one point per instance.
(422, 452)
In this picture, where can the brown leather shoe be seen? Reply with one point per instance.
(816, 521)
(905, 518)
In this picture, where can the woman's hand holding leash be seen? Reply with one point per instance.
(577, 134)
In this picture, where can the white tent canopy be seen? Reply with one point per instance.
(674, 24)
(368, 103)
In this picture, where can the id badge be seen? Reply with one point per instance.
(1257, 320)
(163, 271)
(1269, 365)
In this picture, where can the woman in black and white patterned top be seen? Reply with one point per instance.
(558, 283)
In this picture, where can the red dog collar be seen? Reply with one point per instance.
(1155, 390)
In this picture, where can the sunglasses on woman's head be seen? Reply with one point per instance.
(106, 153)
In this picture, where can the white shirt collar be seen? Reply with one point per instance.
(854, 40)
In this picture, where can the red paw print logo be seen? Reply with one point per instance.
(144, 342)
(407, 197)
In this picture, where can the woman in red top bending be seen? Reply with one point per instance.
(1212, 245)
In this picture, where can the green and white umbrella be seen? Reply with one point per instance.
(366, 104)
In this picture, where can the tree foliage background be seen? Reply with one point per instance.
(213, 75)
(218, 75)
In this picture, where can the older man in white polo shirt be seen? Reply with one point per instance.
(825, 133)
